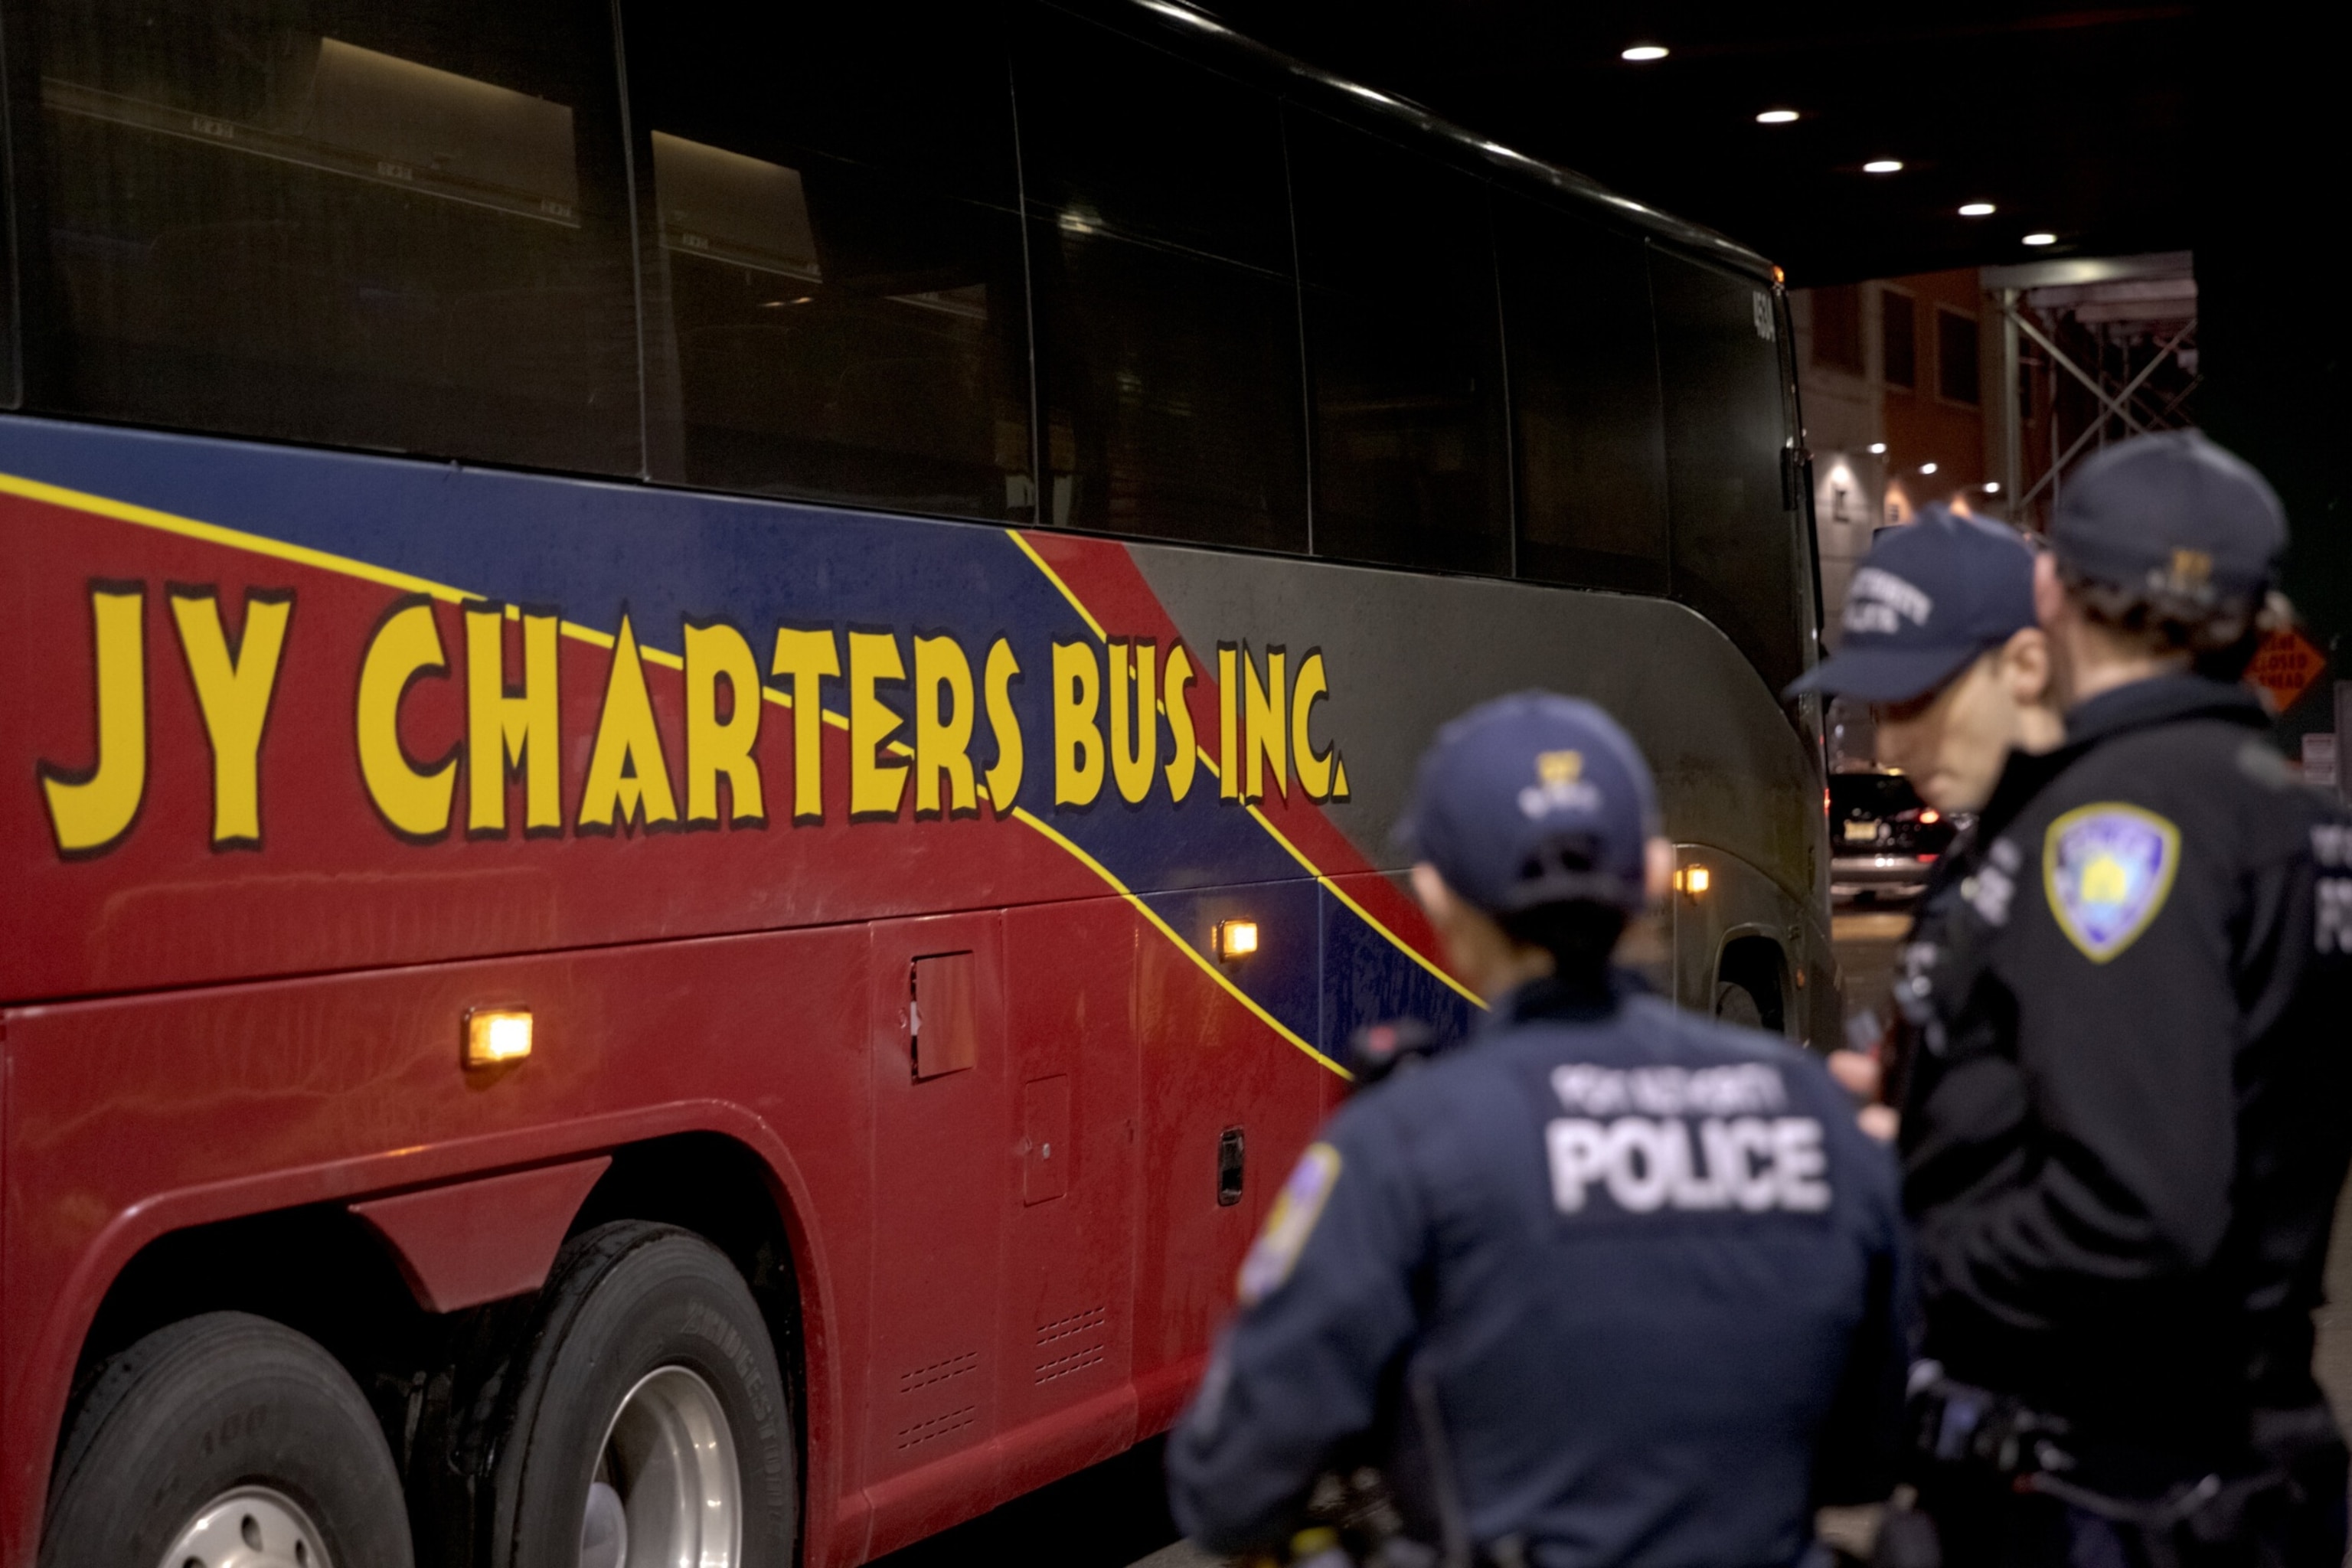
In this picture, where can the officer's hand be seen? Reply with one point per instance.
(1864, 1079)
(1859, 1071)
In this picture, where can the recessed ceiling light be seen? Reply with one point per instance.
(1776, 117)
(1977, 209)
(1642, 54)
(1882, 166)
(2040, 239)
(1926, 467)
(1878, 449)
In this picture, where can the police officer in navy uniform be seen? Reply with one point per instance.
(2126, 1127)
(1606, 1281)
(1941, 640)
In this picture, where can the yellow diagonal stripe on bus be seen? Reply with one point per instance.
(320, 560)
(1055, 578)
(1295, 852)
(1186, 948)
(1364, 914)
(213, 533)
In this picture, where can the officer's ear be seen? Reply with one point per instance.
(1657, 867)
(1450, 916)
(2049, 590)
(2025, 667)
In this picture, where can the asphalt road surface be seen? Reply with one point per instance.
(1107, 1517)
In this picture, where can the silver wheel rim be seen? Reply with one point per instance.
(666, 1492)
(251, 1526)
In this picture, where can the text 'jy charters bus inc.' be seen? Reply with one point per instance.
(1122, 717)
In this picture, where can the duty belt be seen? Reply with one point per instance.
(1955, 1424)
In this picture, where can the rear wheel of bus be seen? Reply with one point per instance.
(225, 1439)
(650, 1424)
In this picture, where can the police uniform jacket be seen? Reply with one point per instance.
(2125, 1126)
(1644, 1265)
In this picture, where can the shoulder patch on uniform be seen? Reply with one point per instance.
(1288, 1224)
(2107, 869)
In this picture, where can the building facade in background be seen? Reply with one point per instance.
(1981, 388)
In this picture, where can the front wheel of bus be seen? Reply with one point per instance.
(650, 1425)
(223, 1439)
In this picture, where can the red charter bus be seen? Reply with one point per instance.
(702, 707)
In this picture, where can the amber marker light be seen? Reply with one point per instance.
(1235, 939)
(1694, 880)
(496, 1035)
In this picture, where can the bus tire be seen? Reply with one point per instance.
(225, 1434)
(649, 1418)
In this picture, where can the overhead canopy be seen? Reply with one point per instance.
(2073, 120)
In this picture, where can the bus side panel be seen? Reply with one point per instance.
(133, 1116)
(377, 764)
(1406, 654)
(1203, 1085)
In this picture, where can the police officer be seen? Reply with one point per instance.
(2126, 1129)
(1606, 1280)
(1941, 641)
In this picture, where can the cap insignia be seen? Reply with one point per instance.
(2192, 573)
(1560, 787)
(1879, 601)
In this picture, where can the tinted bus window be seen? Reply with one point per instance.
(833, 255)
(1167, 312)
(392, 226)
(1588, 437)
(1404, 354)
(1734, 553)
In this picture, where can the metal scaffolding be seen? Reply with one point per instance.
(2093, 349)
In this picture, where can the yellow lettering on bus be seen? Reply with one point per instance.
(875, 787)
(1187, 760)
(1077, 739)
(406, 648)
(91, 808)
(1229, 698)
(1004, 724)
(1268, 736)
(506, 729)
(1134, 717)
(943, 718)
(1314, 768)
(806, 658)
(717, 747)
(628, 777)
(234, 686)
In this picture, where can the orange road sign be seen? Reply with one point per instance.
(2286, 666)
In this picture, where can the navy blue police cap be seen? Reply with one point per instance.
(2174, 514)
(1534, 799)
(1929, 598)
